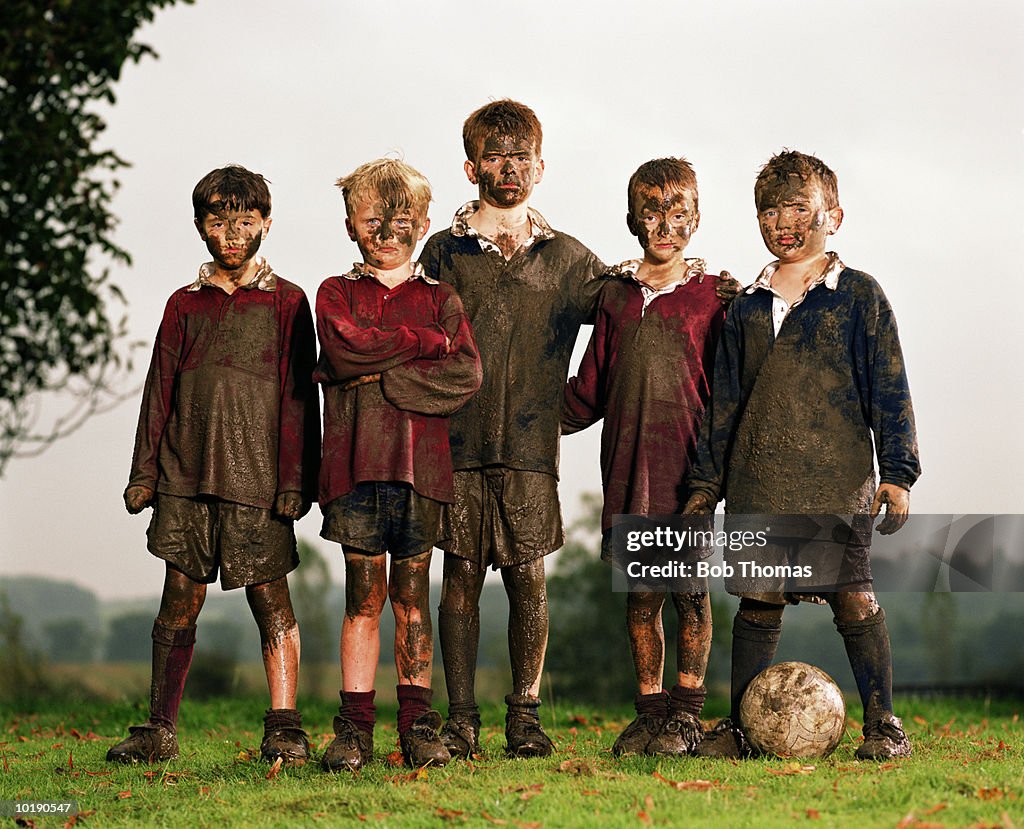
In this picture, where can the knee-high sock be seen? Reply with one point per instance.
(867, 646)
(172, 655)
(753, 649)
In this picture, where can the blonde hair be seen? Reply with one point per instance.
(392, 181)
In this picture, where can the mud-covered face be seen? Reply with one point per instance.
(505, 170)
(233, 236)
(386, 235)
(663, 221)
(794, 220)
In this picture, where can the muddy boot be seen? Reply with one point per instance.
(725, 740)
(523, 735)
(283, 737)
(146, 743)
(351, 749)
(681, 734)
(636, 736)
(461, 734)
(651, 712)
(884, 739)
(421, 744)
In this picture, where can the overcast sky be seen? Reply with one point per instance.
(916, 105)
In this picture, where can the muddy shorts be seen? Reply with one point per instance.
(378, 517)
(502, 517)
(249, 545)
(788, 571)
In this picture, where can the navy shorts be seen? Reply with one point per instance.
(380, 516)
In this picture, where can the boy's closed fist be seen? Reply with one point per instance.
(137, 498)
(290, 505)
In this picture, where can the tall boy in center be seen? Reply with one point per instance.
(527, 289)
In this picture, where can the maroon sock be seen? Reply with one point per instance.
(358, 706)
(656, 704)
(413, 702)
(172, 655)
(690, 700)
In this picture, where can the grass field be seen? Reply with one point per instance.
(967, 771)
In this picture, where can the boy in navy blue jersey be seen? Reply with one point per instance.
(809, 386)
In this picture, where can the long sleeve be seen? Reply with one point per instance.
(349, 350)
(584, 401)
(891, 413)
(439, 387)
(157, 398)
(720, 416)
(299, 425)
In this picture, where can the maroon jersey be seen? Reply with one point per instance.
(394, 429)
(229, 408)
(646, 373)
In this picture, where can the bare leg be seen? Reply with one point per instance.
(527, 624)
(459, 624)
(366, 589)
(694, 644)
(271, 607)
(646, 638)
(409, 591)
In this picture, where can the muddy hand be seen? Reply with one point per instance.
(699, 504)
(137, 498)
(727, 288)
(897, 507)
(290, 505)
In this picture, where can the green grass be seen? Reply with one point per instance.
(967, 770)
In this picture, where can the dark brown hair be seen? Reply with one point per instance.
(503, 117)
(781, 166)
(232, 187)
(664, 174)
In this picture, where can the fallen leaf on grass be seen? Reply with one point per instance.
(395, 759)
(90, 735)
(994, 793)
(920, 721)
(793, 768)
(687, 785)
(324, 741)
(497, 821)
(813, 814)
(276, 768)
(244, 756)
(592, 792)
(645, 813)
(124, 795)
(449, 814)
(525, 792)
(577, 719)
(376, 816)
(938, 807)
(418, 774)
(98, 773)
(576, 766)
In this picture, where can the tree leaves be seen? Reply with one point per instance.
(57, 59)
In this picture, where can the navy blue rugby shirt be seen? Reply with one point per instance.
(796, 419)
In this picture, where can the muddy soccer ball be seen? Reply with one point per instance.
(793, 710)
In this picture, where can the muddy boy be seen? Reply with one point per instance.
(226, 453)
(527, 289)
(809, 388)
(397, 357)
(646, 373)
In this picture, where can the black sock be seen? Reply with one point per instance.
(688, 700)
(867, 646)
(656, 704)
(753, 649)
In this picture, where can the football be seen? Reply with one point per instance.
(793, 710)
